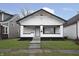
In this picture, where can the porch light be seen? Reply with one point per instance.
(41, 31)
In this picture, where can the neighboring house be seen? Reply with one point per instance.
(41, 23)
(71, 28)
(10, 27)
(1, 31)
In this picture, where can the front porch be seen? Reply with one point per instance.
(41, 31)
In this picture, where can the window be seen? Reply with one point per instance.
(51, 29)
(28, 29)
(57, 30)
(48, 30)
(5, 30)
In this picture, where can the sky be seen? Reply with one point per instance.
(63, 10)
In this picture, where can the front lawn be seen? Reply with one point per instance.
(13, 44)
(59, 45)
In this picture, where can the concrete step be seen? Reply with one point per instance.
(35, 42)
(36, 38)
(34, 46)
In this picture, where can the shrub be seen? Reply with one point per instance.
(77, 41)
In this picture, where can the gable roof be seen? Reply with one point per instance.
(72, 20)
(44, 9)
(6, 14)
(7, 19)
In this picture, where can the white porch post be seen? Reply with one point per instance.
(61, 30)
(41, 30)
(21, 31)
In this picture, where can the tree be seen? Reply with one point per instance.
(25, 12)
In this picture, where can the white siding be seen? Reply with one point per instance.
(41, 20)
(45, 19)
(70, 31)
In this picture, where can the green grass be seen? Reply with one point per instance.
(62, 45)
(13, 43)
(54, 45)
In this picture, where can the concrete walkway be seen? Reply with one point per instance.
(35, 43)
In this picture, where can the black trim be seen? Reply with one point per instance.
(38, 11)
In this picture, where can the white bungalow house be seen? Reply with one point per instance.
(41, 23)
(71, 28)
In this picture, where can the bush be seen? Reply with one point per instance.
(77, 41)
(65, 37)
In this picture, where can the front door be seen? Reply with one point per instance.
(37, 31)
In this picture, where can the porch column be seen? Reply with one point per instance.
(21, 31)
(41, 30)
(61, 30)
